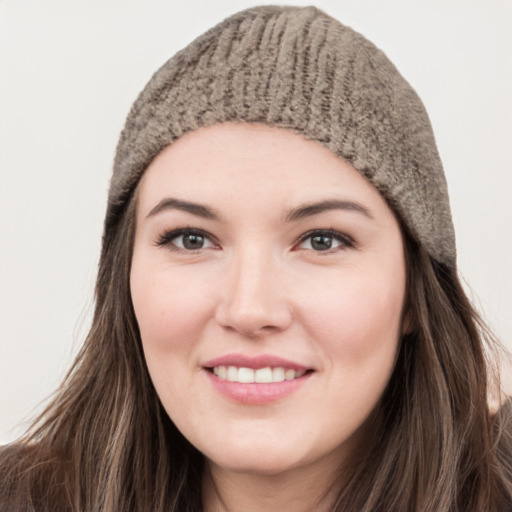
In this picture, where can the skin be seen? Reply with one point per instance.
(259, 285)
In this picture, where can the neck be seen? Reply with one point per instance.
(300, 490)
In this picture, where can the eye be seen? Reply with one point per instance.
(186, 239)
(324, 240)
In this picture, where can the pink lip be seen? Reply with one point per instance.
(255, 393)
(254, 362)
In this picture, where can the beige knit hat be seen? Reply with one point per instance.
(299, 69)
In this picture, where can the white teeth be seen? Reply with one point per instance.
(265, 375)
(232, 374)
(246, 375)
(278, 374)
(289, 374)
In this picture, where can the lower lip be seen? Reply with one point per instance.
(256, 393)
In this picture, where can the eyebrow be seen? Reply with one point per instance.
(323, 206)
(293, 215)
(170, 203)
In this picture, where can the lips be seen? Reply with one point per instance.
(256, 380)
(254, 362)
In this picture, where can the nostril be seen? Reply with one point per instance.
(254, 320)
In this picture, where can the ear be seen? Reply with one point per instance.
(408, 323)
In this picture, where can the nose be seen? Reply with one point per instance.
(254, 300)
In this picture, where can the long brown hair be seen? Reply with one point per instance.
(105, 444)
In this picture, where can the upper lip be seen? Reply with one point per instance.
(254, 362)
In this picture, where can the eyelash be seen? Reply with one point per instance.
(165, 240)
(344, 240)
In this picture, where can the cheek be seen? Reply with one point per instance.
(357, 324)
(171, 313)
(165, 307)
(357, 328)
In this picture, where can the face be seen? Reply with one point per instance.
(268, 283)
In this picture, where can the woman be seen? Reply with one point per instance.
(279, 324)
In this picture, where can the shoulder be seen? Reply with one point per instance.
(502, 424)
(27, 478)
(13, 465)
(9, 462)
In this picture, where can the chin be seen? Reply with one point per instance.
(256, 463)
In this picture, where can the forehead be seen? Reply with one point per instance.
(227, 161)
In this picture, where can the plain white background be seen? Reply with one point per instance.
(69, 71)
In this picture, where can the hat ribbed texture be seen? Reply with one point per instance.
(299, 69)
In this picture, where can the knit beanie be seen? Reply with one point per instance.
(302, 70)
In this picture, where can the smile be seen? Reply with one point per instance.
(256, 379)
(265, 375)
